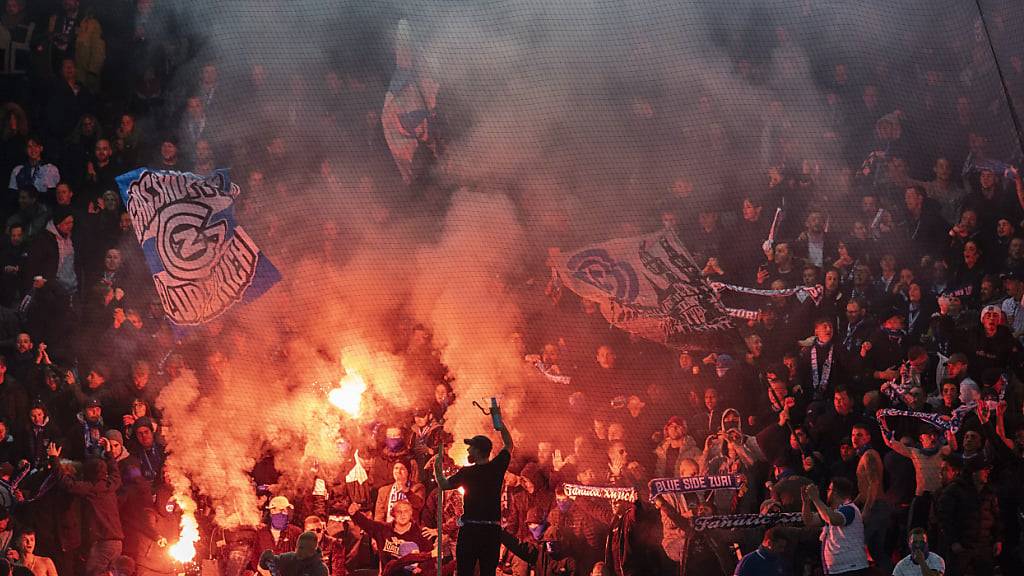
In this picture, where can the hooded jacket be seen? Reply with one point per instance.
(99, 499)
(44, 257)
(714, 449)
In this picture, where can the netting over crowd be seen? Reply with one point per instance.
(746, 278)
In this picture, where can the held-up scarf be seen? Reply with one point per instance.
(936, 420)
(733, 521)
(556, 378)
(820, 380)
(659, 486)
(812, 292)
(605, 492)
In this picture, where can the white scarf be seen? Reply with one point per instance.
(820, 380)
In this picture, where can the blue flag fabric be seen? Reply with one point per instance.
(650, 286)
(202, 262)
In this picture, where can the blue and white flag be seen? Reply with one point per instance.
(408, 112)
(650, 286)
(202, 262)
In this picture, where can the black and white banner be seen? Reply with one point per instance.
(659, 486)
(605, 492)
(701, 523)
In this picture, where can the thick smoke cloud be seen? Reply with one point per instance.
(567, 122)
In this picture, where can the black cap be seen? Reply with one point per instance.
(895, 312)
(481, 443)
(1012, 275)
(93, 403)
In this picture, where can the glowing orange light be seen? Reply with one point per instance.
(348, 396)
(185, 549)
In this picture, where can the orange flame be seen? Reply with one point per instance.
(348, 396)
(184, 551)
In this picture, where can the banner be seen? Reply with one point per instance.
(408, 108)
(650, 286)
(605, 492)
(802, 292)
(943, 423)
(959, 292)
(659, 486)
(202, 262)
(545, 370)
(701, 523)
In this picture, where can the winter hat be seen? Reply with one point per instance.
(61, 213)
(147, 422)
(114, 435)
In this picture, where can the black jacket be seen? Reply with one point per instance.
(288, 564)
(536, 554)
(958, 513)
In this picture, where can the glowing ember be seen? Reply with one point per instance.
(185, 549)
(348, 396)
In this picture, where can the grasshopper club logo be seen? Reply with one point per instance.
(188, 244)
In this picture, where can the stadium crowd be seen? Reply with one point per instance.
(919, 250)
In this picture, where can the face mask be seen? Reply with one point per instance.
(537, 531)
(393, 443)
(279, 521)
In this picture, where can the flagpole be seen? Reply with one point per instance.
(440, 508)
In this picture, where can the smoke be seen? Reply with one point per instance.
(567, 122)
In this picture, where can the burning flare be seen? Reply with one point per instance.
(184, 551)
(348, 396)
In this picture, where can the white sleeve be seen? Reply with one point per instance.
(13, 185)
(52, 176)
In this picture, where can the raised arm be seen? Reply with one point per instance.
(506, 437)
(813, 506)
(442, 482)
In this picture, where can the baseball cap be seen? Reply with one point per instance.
(279, 503)
(480, 442)
(991, 309)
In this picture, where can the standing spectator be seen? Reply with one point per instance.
(332, 551)
(304, 561)
(921, 561)
(676, 447)
(769, 557)
(98, 493)
(403, 488)
(26, 547)
(394, 539)
(35, 172)
(13, 399)
(279, 535)
(842, 533)
(958, 516)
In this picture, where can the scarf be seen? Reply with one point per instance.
(659, 486)
(895, 336)
(605, 492)
(393, 497)
(702, 523)
(819, 381)
(850, 330)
